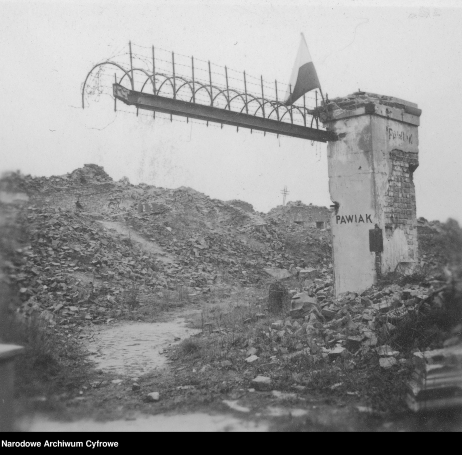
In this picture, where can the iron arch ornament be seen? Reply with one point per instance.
(188, 96)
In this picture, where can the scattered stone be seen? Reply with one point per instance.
(136, 387)
(354, 343)
(262, 383)
(283, 395)
(387, 362)
(386, 351)
(336, 386)
(152, 397)
(251, 359)
(335, 352)
(252, 351)
(279, 274)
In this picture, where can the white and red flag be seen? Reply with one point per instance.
(304, 77)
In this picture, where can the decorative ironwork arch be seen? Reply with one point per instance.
(206, 89)
(96, 66)
(167, 79)
(260, 107)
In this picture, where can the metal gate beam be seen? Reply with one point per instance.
(213, 114)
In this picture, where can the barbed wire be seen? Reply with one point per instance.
(103, 73)
(285, 87)
(158, 71)
(282, 88)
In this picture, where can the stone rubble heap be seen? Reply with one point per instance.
(75, 266)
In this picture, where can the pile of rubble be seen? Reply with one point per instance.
(74, 268)
(91, 239)
(377, 326)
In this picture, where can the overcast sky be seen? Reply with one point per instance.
(47, 49)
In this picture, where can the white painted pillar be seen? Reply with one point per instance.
(370, 178)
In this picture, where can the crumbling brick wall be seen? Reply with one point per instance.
(309, 215)
(400, 203)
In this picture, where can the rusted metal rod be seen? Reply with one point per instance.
(211, 88)
(131, 64)
(262, 97)
(227, 87)
(153, 77)
(193, 82)
(277, 101)
(174, 81)
(245, 90)
(115, 99)
(290, 99)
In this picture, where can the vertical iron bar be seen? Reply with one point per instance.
(153, 77)
(153, 71)
(262, 97)
(194, 86)
(227, 87)
(131, 64)
(277, 101)
(211, 89)
(317, 124)
(290, 99)
(174, 82)
(131, 69)
(245, 89)
(304, 110)
(115, 99)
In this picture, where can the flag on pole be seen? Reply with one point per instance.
(304, 77)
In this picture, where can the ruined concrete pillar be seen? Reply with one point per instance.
(371, 185)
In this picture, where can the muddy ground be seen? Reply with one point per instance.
(118, 364)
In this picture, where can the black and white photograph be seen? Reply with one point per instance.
(229, 216)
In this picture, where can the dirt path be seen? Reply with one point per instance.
(131, 349)
(128, 361)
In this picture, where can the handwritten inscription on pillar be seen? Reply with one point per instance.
(393, 134)
(346, 219)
